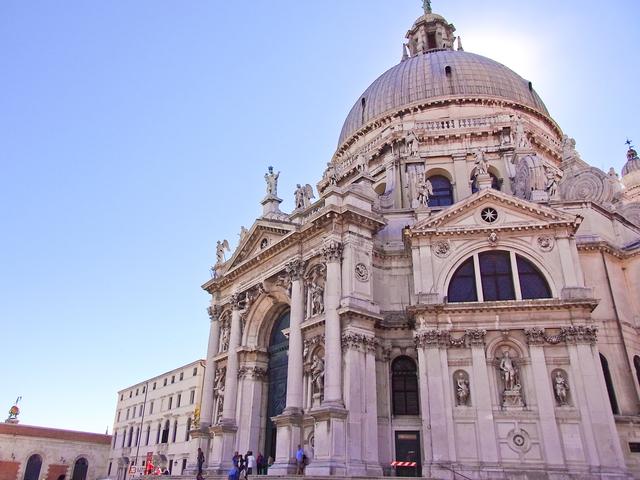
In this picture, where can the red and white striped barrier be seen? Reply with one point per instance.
(403, 464)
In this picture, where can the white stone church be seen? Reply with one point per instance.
(462, 295)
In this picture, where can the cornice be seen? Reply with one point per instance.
(503, 306)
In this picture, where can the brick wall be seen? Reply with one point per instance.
(55, 470)
(9, 470)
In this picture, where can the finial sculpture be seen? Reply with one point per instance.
(14, 411)
(220, 248)
(272, 182)
(426, 6)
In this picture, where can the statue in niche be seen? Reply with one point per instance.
(317, 298)
(411, 144)
(272, 182)
(424, 190)
(361, 163)
(224, 337)
(462, 389)
(512, 393)
(317, 374)
(561, 388)
(218, 390)
(303, 195)
(482, 166)
(221, 246)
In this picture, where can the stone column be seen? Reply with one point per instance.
(289, 423)
(601, 436)
(371, 455)
(481, 398)
(333, 349)
(331, 417)
(224, 433)
(206, 407)
(461, 175)
(546, 404)
(432, 375)
(231, 379)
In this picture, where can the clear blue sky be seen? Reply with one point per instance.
(133, 135)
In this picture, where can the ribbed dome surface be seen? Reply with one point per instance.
(423, 78)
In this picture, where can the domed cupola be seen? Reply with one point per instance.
(631, 174)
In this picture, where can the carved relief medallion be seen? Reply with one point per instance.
(442, 248)
(546, 243)
(362, 272)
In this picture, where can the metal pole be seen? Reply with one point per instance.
(144, 412)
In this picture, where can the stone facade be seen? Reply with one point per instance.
(51, 453)
(156, 417)
(461, 295)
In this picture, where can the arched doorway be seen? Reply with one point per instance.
(34, 464)
(277, 370)
(80, 469)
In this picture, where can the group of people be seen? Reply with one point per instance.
(246, 465)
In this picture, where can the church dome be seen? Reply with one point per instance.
(633, 162)
(437, 75)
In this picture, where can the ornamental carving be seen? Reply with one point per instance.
(225, 334)
(295, 269)
(580, 334)
(362, 272)
(545, 243)
(529, 176)
(590, 184)
(214, 312)
(571, 334)
(475, 336)
(235, 301)
(492, 238)
(431, 338)
(218, 392)
(332, 251)
(510, 377)
(442, 248)
(317, 375)
(256, 373)
(310, 344)
(358, 341)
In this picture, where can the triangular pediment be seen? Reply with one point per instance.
(511, 213)
(262, 235)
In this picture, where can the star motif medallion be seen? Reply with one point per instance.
(489, 214)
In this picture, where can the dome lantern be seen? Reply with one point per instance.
(430, 32)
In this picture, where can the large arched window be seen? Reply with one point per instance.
(404, 386)
(442, 191)
(80, 469)
(609, 382)
(503, 276)
(34, 465)
(496, 183)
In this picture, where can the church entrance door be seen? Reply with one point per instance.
(408, 450)
(278, 355)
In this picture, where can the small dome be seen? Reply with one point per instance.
(443, 74)
(633, 162)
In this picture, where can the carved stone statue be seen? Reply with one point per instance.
(303, 195)
(272, 182)
(561, 389)
(224, 338)
(317, 298)
(317, 374)
(508, 370)
(411, 144)
(221, 246)
(512, 393)
(243, 232)
(462, 389)
(218, 390)
(482, 166)
(520, 137)
(424, 190)
(569, 151)
(552, 182)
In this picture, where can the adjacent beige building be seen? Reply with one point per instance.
(153, 420)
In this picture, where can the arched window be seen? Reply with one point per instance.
(442, 191)
(609, 382)
(80, 469)
(404, 386)
(165, 432)
(130, 436)
(503, 276)
(34, 465)
(462, 287)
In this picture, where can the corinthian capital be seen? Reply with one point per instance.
(295, 269)
(580, 334)
(214, 312)
(235, 301)
(332, 251)
(476, 336)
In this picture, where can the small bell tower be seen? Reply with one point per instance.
(430, 32)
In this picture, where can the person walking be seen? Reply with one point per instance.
(200, 460)
(260, 464)
(300, 460)
(251, 464)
